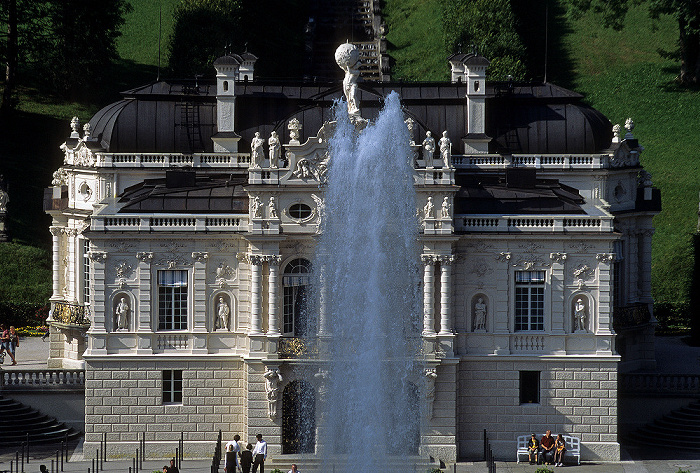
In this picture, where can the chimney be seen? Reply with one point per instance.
(476, 141)
(227, 68)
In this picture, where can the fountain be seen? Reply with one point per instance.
(367, 260)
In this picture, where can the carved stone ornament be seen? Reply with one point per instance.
(410, 122)
(583, 273)
(557, 257)
(530, 257)
(200, 256)
(84, 225)
(272, 380)
(121, 246)
(123, 270)
(320, 210)
(429, 377)
(172, 256)
(294, 126)
(223, 272)
(83, 156)
(445, 259)
(503, 257)
(314, 167)
(580, 247)
(97, 256)
(144, 256)
(606, 258)
(60, 177)
(428, 259)
(479, 267)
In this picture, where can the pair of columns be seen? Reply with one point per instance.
(256, 263)
(430, 263)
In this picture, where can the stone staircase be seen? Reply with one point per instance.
(18, 420)
(331, 23)
(680, 429)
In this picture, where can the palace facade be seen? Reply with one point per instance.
(185, 218)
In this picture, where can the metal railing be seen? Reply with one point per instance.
(488, 455)
(73, 314)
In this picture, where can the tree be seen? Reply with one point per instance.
(64, 46)
(685, 12)
(273, 30)
(490, 26)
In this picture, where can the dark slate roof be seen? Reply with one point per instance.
(180, 116)
(208, 194)
(489, 193)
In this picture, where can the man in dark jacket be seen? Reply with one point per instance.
(246, 458)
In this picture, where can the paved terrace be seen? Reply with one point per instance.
(32, 354)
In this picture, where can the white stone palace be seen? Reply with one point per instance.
(185, 219)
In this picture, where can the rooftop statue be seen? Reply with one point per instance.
(347, 57)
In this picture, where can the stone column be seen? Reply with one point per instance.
(428, 295)
(71, 293)
(56, 248)
(273, 295)
(255, 262)
(446, 294)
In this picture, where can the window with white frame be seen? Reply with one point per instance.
(172, 386)
(172, 300)
(529, 300)
(86, 271)
(295, 297)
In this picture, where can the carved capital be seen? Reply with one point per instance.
(255, 259)
(558, 257)
(97, 256)
(56, 231)
(144, 256)
(200, 256)
(70, 231)
(445, 259)
(272, 259)
(428, 259)
(606, 258)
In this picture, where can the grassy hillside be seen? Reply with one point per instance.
(139, 40)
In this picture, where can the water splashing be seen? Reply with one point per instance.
(367, 258)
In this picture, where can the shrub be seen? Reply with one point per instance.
(434, 470)
(544, 470)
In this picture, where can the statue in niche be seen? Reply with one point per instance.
(121, 313)
(272, 380)
(428, 148)
(428, 209)
(430, 377)
(580, 315)
(480, 312)
(256, 207)
(445, 208)
(347, 56)
(275, 147)
(222, 314)
(445, 149)
(272, 208)
(256, 150)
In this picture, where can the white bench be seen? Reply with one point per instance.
(573, 447)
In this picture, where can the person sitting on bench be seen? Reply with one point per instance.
(533, 448)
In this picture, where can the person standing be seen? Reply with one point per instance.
(259, 454)
(233, 447)
(14, 343)
(173, 467)
(6, 344)
(246, 458)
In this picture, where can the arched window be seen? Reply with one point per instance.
(296, 292)
(298, 418)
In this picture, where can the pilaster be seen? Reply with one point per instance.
(199, 326)
(56, 261)
(98, 329)
(144, 327)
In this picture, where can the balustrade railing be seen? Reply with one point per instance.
(73, 314)
(546, 161)
(662, 384)
(528, 343)
(40, 379)
(172, 342)
(155, 223)
(542, 223)
(241, 160)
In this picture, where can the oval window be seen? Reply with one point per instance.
(299, 211)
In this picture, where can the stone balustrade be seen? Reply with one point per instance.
(155, 223)
(532, 223)
(38, 379)
(160, 160)
(672, 385)
(536, 161)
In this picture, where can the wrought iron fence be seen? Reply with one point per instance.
(73, 314)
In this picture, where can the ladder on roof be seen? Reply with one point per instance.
(189, 121)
